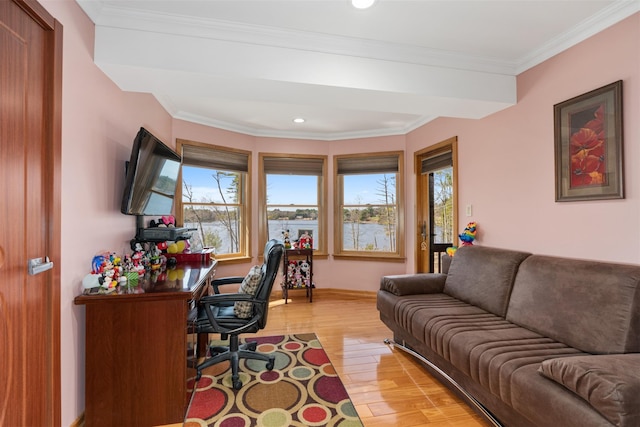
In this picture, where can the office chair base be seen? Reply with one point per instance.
(234, 352)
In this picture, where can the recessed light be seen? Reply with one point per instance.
(298, 120)
(362, 4)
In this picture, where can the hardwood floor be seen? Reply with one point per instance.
(387, 386)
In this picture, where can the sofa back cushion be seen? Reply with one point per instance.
(483, 276)
(591, 306)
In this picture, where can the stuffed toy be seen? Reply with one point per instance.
(165, 221)
(467, 237)
(305, 271)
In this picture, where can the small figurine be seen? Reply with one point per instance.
(305, 241)
(285, 239)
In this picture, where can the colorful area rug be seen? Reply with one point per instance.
(303, 389)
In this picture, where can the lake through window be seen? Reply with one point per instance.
(369, 204)
(213, 202)
(294, 194)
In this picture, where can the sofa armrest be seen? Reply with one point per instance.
(610, 383)
(411, 284)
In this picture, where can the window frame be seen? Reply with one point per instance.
(263, 223)
(244, 204)
(338, 190)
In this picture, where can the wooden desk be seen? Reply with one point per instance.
(136, 350)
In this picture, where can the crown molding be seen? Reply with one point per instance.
(324, 136)
(616, 12)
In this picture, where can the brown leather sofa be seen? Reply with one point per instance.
(536, 340)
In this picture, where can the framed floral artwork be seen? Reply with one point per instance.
(588, 145)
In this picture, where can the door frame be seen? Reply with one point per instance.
(422, 193)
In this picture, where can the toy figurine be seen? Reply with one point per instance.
(285, 239)
(305, 241)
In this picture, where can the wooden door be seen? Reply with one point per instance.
(436, 204)
(30, 99)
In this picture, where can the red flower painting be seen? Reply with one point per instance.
(588, 145)
(587, 150)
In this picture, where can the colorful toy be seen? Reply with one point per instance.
(305, 241)
(468, 235)
(165, 221)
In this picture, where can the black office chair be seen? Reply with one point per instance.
(216, 315)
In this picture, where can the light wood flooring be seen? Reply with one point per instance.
(388, 387)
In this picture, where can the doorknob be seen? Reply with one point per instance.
(39, 265)
(424, 230)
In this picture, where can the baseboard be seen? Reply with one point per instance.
(345, 293)
(79, 422)
(330, 293)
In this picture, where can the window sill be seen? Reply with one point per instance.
(366, 257)
(235, 260)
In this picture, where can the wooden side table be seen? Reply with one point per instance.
(297, 272)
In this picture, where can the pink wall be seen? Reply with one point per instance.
(99, 122)
(506, 161)
(506, 170)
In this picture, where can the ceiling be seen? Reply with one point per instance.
(254, 66)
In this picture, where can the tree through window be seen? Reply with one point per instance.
(369, 200)
(214, 188)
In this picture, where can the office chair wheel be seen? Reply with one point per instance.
(251, 346)
(270, 365)
(237, 384)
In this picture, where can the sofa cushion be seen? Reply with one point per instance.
(592, 306)
(609, 383)
(244, 309)
(547, 403)
(411, 284)
(483, 276)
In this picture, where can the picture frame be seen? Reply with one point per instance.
(303, 231)
(589, 162)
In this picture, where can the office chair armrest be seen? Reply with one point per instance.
(224, 299)
(225, 281)
(218, 299)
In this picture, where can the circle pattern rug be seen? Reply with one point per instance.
(303, 389)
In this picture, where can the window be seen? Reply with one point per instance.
(213, 197)
(439, 169)
(369, 209)
(292, 197)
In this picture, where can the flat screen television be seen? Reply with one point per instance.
(152, 177)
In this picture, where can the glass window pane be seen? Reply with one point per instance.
(217, 226)
(443, 205)
(369, 188)
(368, 229)
(209, 185)
(369, 220)
(292, 206)
(292, 190)
(296, 228)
